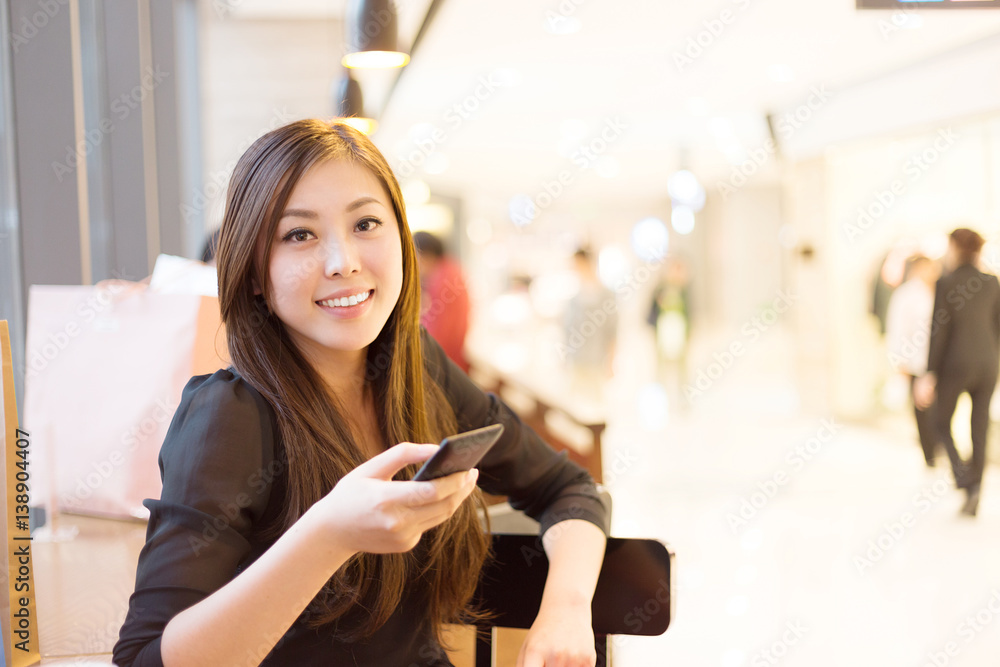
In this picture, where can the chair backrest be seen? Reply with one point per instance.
(634, 594)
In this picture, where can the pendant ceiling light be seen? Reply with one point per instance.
(372, 28)
(349, 104)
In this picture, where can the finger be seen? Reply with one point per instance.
(416, 495)
(394, 459)
(442, 487)
(433, 514)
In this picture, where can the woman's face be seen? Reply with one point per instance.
(336, 267)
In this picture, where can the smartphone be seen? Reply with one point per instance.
(459, 452)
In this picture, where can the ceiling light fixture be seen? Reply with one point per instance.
(372, 29)
(349, 105)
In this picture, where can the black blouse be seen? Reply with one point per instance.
(224, 480)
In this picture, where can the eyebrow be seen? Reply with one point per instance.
(312, 215)
(361, 201)
(299, 213)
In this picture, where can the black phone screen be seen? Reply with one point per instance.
(459, 452)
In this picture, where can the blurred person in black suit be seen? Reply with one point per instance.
(964, 356)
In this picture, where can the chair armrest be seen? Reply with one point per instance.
(634, 594)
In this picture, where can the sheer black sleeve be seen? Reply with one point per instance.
(217, 464)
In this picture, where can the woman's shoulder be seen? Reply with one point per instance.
(220, 416)
(223, 390)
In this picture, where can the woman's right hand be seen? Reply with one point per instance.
(368, 511)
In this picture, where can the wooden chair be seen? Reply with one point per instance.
(634, 594)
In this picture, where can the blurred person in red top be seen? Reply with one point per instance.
(444, 309)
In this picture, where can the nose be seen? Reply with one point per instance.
(342, 257)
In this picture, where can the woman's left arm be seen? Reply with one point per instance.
(562, 634)
(554, 491)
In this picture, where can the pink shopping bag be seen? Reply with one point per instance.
(106, 365)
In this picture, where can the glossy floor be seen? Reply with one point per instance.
(801, 540)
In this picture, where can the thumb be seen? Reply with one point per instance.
(394, 459)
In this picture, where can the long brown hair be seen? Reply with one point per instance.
(318, 442)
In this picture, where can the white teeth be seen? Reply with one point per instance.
(345, 301)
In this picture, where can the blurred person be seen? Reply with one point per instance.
(908, 327)
(885, 282)
(670, 317)
(964, 356)
(289, 530)
(590, 326)
(445, 300)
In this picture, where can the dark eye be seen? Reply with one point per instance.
(297, 235)
(368, 224)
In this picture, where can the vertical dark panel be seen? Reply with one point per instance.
(97, 128)
(127, 86)
(189, 108)
(168, 129)
(47, 151)
(11, 272)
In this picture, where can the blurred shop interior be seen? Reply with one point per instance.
(758, 171)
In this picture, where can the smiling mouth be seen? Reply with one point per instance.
(347, 301)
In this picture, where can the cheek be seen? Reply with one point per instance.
(398, 263)
(286, 278)
(397, 270)
(388, 257)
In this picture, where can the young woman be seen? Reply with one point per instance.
(288, 531)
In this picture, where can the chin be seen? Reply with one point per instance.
(350, 343)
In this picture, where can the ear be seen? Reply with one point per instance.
(257, 291)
